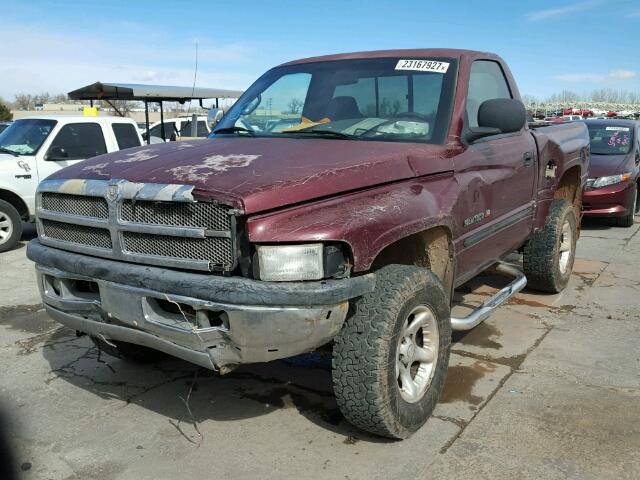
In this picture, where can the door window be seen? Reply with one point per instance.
(169, 129)
(126, 135)
(77, 141)
(487, 82)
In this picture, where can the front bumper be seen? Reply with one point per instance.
(209, 320)
(611, 201)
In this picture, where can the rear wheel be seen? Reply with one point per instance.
(128, 351)
(390, 359)
(627, 220)
(549, 254)
(10, 226)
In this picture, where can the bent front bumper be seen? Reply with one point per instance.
(209, 320)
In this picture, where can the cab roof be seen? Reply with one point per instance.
(412, 52)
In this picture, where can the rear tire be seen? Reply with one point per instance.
(128, 351)
(549, 254)
(10, 226)
(628, 220)
(390, 359)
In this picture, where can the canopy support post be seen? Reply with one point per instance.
(164, 137)
(146, 119)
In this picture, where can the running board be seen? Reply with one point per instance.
(481, 313)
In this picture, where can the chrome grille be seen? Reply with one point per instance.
(80, 205)
(199, 215)
(216, 250)
(139, 223)
(78, 234)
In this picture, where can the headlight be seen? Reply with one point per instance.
(612, 180)
(281, 263)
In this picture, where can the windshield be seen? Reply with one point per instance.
(388, 99)
(610, 139)
(26, 136)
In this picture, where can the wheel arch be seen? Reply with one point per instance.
(431, 248)
(569, 189)
(17, 202)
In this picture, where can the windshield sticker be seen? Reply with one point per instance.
(618, 140)
(423, 66)
(618, 129)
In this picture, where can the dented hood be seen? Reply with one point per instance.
(259, 174)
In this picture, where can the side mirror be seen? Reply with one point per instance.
(56, 154)
(496, 116)
(213, 116)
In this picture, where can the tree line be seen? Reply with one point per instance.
(602, 95)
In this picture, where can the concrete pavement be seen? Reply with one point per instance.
(548, 387)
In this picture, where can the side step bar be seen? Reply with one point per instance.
(481, 313)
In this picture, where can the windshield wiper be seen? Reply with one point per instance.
(235, 130)
(328, 133)
(8, 150)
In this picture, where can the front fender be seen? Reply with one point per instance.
(367, 221)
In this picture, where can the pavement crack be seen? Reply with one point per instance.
(501, 383)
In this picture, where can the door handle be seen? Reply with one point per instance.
(528, 159)
(27, 176)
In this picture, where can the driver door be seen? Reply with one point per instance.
(73, 143)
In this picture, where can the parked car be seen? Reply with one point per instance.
(411, 172)
(175, 128)
(614, 173)
(33, 148)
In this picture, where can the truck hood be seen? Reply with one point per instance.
(259, 174)
(605, 165)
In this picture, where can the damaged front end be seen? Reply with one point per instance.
(149, 265)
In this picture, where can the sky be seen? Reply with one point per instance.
(550, 45)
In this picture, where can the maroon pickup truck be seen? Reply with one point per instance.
(339, 202)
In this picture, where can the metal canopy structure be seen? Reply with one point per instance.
(152, 93)
(149, 93)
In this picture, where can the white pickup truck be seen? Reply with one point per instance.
(33, 148)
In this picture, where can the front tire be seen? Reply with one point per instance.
(390, 359)
(549, 254)
(10, 226)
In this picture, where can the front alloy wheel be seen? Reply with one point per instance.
(417, 353)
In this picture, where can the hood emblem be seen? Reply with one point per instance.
(112, 192)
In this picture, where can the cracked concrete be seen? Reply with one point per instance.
(548, 387)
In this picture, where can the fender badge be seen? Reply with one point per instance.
(478, 217)
(24, 165)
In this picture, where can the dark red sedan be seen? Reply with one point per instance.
(614, 173)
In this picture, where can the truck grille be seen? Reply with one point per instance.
(80, 205)
(78, 234)
(178, 234)
(202, 215)
(214, 249)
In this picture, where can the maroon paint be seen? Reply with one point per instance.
(369, 194)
